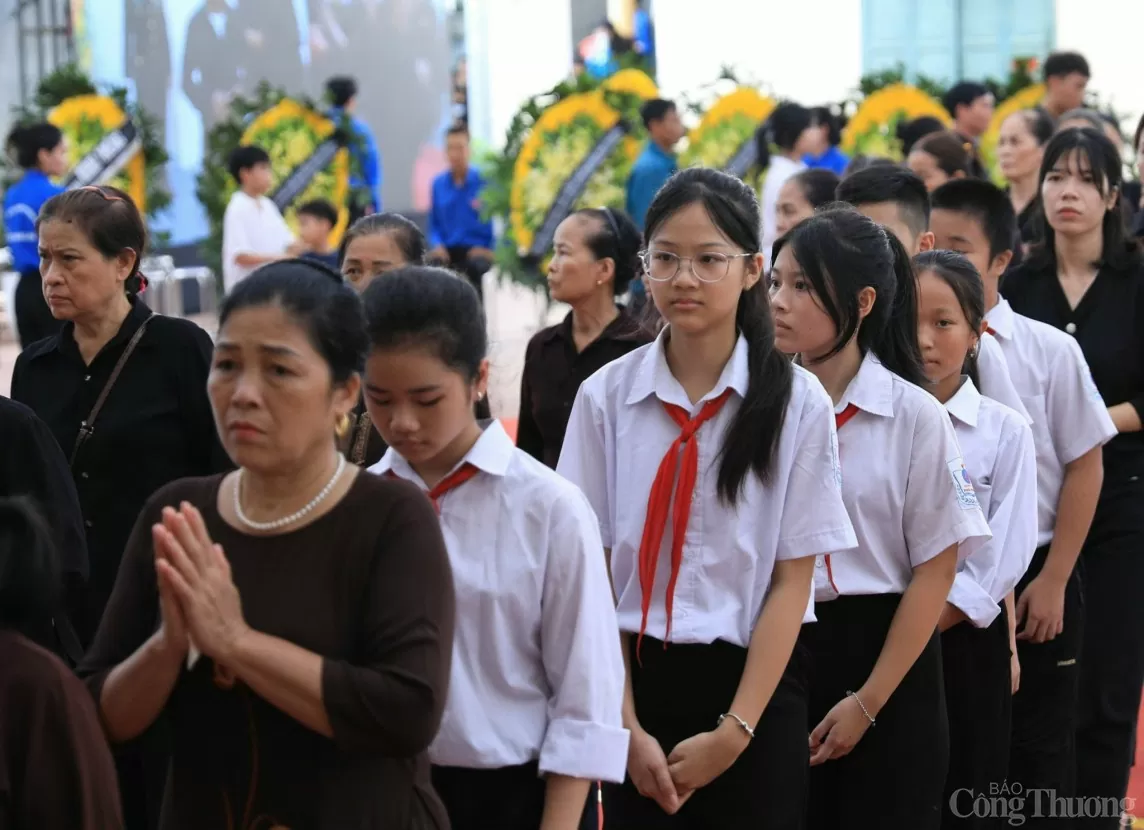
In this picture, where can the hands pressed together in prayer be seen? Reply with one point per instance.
(199, 601)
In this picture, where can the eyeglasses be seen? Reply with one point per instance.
(664, 266)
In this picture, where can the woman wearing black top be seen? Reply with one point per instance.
(595, 257)
(375, 245)
(155, 424)
(1087, 278)
(1020, 150)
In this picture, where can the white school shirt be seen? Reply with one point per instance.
(780, 169)
(997, 444)
(1069, 417)
(993, 373)
(619, 432)
(251, 226)
(904, 483)
(537, 672)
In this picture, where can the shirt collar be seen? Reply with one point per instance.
(624, 329)
(1000, 318)
(872, 389)
(965, 403)
(139, 312)
(492, 453)
(654, 377)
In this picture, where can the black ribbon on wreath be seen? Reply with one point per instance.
(744, 159)
(573, 188)
(295, 184)
(107, 158)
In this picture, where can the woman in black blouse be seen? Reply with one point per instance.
(1020, 150)
(1087, 279)
(595, 257)
(375, 245)
(155, 424)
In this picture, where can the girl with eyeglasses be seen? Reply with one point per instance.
(710, 605)
(595, 257)
(844, 301)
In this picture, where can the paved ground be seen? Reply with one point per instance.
(514, 315)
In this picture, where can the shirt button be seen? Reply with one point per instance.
(87, 522)
(818, 563)
(83, 475)
(1071, 328)
(86, 378)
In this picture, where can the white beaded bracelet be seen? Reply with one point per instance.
(861, 705)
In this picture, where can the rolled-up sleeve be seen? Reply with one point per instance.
(392, 698)
(580, 648)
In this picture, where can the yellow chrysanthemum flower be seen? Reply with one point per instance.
(75, 118)
(1027, 98)
(880, 112)
(290, 132)
(633, 81)
(562, 137)
(724, 128)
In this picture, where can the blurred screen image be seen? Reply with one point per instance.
(184, 60)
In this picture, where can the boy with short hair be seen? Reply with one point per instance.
(316, 221)
(897, 200)
(253, 230)
(1066, 80)
(1070, 426)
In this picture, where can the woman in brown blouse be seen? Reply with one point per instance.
(375, 245)
(56, 772)
(595, 258)
(293, 620)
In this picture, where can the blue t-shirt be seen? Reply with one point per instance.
(22, 205)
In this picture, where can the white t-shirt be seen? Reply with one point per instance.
(251, 226)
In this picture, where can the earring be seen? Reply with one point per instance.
(343, 427)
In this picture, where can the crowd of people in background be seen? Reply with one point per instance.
(852, 466)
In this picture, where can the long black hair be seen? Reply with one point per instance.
(956, 271)
(29, 569)
(753, 436)
(1093, 149)
(841, 252)
(782, 129)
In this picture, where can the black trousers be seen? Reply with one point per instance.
(895, 777)
(680, 692)
(1112, 652)
(473, 269)
(507, 798)
(1042, 754)
(34, 319)
(979, 703)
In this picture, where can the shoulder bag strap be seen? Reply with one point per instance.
(87, 427)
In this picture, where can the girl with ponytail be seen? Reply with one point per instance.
(978, 638)
(787, 135)
(710, 608)
(844, 301)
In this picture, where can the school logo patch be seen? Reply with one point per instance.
(962, 485)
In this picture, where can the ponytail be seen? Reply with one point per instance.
(782, 128)
(753, 436)
(896, 345)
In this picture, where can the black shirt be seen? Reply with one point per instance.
(1108, 324)
(553, 372)
(156, 425)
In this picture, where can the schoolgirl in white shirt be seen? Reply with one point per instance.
(710, 606)
(533, 714)
(978, 638)
(843, 297)
(1070, 426)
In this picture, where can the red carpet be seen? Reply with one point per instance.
(1136, 784)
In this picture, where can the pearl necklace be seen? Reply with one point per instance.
(293, 517)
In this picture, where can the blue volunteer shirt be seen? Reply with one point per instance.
(833, 160)
(367, 158)
(22, 205)
(455, 213)
(652, 169)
